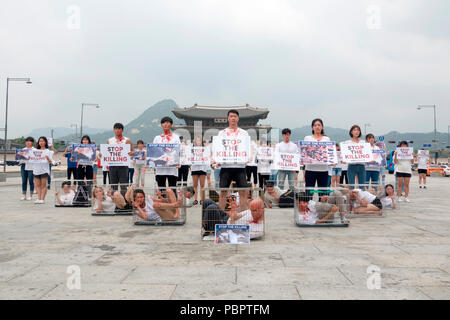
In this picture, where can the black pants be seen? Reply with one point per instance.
(344, 177)
(183, 173)
(130, 175)
(70, 172)
(311, 177)
(85, 172)
(252, 169)
(106, 175)
(119, 175)
(161, 181)
(262, 179)
(237, 175)
(212, 215)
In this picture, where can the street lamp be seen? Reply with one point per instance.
(82, 107)
(76, 129)
(28, 81)
(435, 132)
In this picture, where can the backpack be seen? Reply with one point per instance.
(287, 199)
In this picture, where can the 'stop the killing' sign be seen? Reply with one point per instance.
(356, 152)
(115, 154)
(231, 149)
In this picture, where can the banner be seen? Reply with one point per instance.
(139, 156)
(287, 161)
(405, 153)
(84, 154)
(114, 155)
(232, 234)
(423, 153)
(164, 154)
(38, 156)
(231, 149)
(318, 152)
(199, 156)
(356, 152)
(265, 153)
(22, 154)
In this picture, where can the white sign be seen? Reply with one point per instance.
(200, 156)
(423, 153)
(287, 161)
(50, 142)
(115, 154)
(231, 149)
(38, 156)
(356, 152)
(265, 153)
(405, 153)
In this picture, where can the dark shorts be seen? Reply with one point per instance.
(41, 176)
(403, 175)
(237, 175)
(377, 203)
(422, 171)
(198, 173)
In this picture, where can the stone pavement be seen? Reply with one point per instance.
(117, 260)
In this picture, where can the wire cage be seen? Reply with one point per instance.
(321, 207)
(275, 196)
(370, 201)
(72, 193)
(112, 200)
(160, 206)
(233, 206)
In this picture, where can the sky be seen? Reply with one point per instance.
(347, 62)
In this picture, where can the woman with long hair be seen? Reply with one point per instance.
(41, 171)
(198, 173)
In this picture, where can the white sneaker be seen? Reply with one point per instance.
(407, 200)
(23, 198)
(37, 201)
(29, 198)
(400, 199)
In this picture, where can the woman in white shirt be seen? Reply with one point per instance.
(422, 169)
(26, 170)
(316, 172)
(373, 168)
(404, 173)
(41, 171)
(198, 172)
(355, 169)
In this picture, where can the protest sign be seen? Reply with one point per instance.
(287, 161)
(405, 153)
(423, 153)
(38, 156)
(84, 154)
(265, 153)
(199, 156)
(139, 156)
(164, 154)
(184, 155)
(318, 152)
(232, 234)
(22, 154)
(356, 152)
(114, 155)
(50, 142)
(231, 149)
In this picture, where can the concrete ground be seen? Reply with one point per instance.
(116, 260)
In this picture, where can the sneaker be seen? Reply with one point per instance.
(407, 200)
(37, 201)
(400, 199)
(23, 198)
(29, 198)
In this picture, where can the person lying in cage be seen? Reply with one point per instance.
(387, 196)
(311, 212)
(157, 208)
(108, 202)
(68, 194)
(365, 202)
(254, 217)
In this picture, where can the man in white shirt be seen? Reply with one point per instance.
(169, 174)
(233, 171)
(286, 146)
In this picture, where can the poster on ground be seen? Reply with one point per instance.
(114, 155)
(232, 234)
(230, 150)
(318, 152)
(356, 152)
(164, 154)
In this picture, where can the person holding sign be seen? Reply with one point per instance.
(139, 164)
(286, 147)
(424, 162)
(169, 174)
(26, 171)
(233, 171)
(85, 169)
(355, 168)
(316, 173)
(373, 167)
(41, 168)
(198, 168)
(403, 158)
(119, 174)
(264, 159)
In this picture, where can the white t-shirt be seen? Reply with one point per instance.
(67, 198)
(43, 167)
(317, 167)
(366, 195)
(234, 133)
(264, 167)
(256, 229)
(423, 163)
(386, 202)
(310, 214)
(150, 211)
(114, 140)
(403, 166)
(167, 138)
(108, 205)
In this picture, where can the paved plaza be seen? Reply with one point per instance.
(410, 246)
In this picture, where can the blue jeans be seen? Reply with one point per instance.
(372, 175)
(282, 174)
(216, 177)
(273, 176)
(27, 176)
(356, 170)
